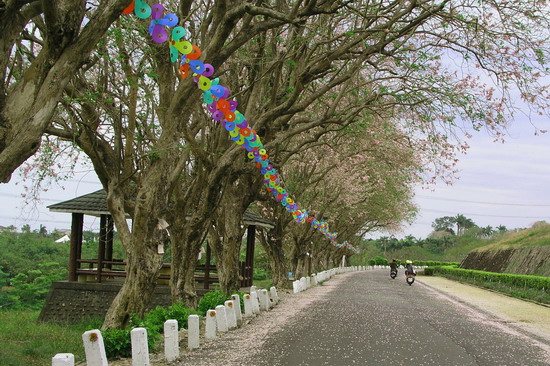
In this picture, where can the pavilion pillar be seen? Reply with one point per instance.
(207, 267)
(249, 260)
(109, 242)
(77, 225)
(102, 243)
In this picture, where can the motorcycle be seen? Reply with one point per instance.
(393, 273)
(410, 278)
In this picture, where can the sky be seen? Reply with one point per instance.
(500, 184)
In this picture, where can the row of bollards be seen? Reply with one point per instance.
(219, 320)
(317, 278)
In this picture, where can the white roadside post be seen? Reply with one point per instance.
(171, 340)
(230, 314)
(308, 282)
(238, 312)
(303, 283)
(274, 294)
(248, 311)
(268, 297)
(94, 348)
(264, 300)
(63, 359)
(193, 332)
(221, 319)
(140, 347)
(296, 286)
(255, 302)
(211, 327)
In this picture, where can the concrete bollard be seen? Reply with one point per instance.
(296, 286)
(248, 312)
(255, 302)
(303, 284)
(274, 294)
(193, 332)
(264, 300)
(63, 359)
(230, 314)
(221, 319)
(94, 348)
(308, 282)
(210, 331)
(140, 347)
(253, 289)
(268, 299)
(238, 311)
(171, 340)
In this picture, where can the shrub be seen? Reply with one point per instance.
(260, 274)
(179, 312)
(210, 300)
(118, 342)
(155, 319)
(515, 280)
(429, 271)
(381, 261)
(434, 263)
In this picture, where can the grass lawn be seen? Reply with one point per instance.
(25, 341)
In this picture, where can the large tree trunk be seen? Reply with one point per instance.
(186, 240)
(227, 259)
(141, 277)
(272, 242)
(27, 109)
(229, 228)
(142, 248)
(194, 206)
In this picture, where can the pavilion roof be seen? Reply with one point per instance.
(95, 204)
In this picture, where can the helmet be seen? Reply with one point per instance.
(408, 261)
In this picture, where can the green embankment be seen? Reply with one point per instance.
(522, 252)
(536, 236)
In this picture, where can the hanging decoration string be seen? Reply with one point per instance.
(223, 109)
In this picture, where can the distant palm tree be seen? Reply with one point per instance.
(487, 231)
(463, 223)
(502, 229)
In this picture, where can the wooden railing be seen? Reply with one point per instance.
(108, 269)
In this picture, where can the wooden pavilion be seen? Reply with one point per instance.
(105, 266)
(93, 283)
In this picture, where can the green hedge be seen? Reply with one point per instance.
(434, 263)
(515, 280)
(429, 271)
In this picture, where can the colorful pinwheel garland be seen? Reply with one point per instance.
(222, 109)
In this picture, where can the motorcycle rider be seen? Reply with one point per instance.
(409, 268)
(393, 265)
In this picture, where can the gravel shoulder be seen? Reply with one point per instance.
(527, 316)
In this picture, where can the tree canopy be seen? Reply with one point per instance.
(355, 101)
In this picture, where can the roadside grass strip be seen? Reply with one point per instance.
(527, 287)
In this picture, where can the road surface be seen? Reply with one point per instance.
(372, 320)
(365, 318)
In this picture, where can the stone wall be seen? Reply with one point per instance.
(527, 260)
(75, 301)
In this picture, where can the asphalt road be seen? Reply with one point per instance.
(373, 320)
